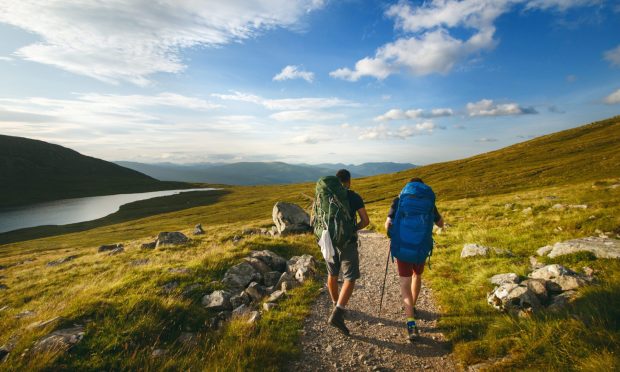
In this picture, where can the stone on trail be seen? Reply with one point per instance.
(60, 340)
(240, 275)
(290, 218)
(171, 238)
(274, 261)
(474, 250)
(599, 246)
(218, 300)
(198, 230)
(109, 247)
(500, 279)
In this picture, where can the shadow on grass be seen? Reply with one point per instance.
(127, 212)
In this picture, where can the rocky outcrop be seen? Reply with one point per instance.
(290, 218)
(217, 300)
(61, 260)
(109, 247)
(500, 279)
(272, 260)
(599, 246)
(302, 267)
(240, 275)
(511, 296)
(474, 250)
(171, 238)
(60, 340)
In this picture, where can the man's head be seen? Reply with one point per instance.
(345, 177)
(416, 179)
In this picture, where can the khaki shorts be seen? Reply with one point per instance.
(347, 259)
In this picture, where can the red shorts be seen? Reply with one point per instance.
(406, 269)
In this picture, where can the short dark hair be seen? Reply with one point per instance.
(416, 179)
(343, 175)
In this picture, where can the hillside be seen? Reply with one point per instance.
(128, 310)
(34, 171)
(256, 173)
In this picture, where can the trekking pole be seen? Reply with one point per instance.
(387, 262)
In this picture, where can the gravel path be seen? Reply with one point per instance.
(376, 343)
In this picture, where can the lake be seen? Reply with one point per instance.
(66, 211)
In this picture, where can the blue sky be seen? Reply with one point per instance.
(304, 80)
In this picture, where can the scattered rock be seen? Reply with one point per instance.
(241, 310)
(560, 301)
(240, 275)
(240, 299)
(599, 246)
(558, 278)
(538, 287)
(254, 317)
(62, 260)
(189, 290)
(558, 207)
(527, 210)
(503, 252)
(149, 245)
(171, 238)
(276, 296)
(109, 247)
(158, 353)
(116, 251)
(474, 250)
(198, 230)
(551, 272)
(139, 262)
(255, 291)
(287, 280)
(588, 270)
(271, 278)
(534, 264)
(509, 206)
(259, 265)
(275, 262)
(303, 267)
(60, 340)
(500, 279)
(268, 306)
(290, 218)
(218, 300)
(511, 296)
(169, 287)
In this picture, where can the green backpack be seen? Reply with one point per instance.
(331, 211)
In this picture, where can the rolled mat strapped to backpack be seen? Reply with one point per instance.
(331, 212)
(412, 228)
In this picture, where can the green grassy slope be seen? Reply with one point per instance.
(129, 316)
(33, 171)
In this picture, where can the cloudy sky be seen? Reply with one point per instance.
(304, 80)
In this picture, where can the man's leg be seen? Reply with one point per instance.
(345, 293)
(332, 287)
(406, 291)
(416, 284)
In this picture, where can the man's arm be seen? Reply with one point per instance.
(364, 220)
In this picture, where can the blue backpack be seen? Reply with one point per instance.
(412, 227)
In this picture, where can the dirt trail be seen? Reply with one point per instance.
(376, 344)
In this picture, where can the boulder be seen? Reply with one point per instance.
(286, 279)
(149, 245)
(139, 262)
(171, 238)
(240, 275)
(600, 247)
(290, 218)
(241, 310)
(474, 250)
(299, 262)
(560, 301)
(271, 278)
(569, 282)
(538, 287)
(275, 262)
(109, 247)
(558, 207)
(511, 296)
(259, 265)
(116, 251)
(60, 340)
(500, 279)
(534, 264)
(544, 250)
(551, 272)
(256, 291)
(276, 296)
(559, 278)
(218, 300)
(240, 299)
(61, 260)
(254, 317)
(198, 230)
(268, 306)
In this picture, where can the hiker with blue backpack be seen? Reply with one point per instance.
(410, 227)
(334, 219)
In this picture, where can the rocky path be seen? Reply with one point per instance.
(376, 343)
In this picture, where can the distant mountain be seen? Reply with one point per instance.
(256, 173)
(34, 171)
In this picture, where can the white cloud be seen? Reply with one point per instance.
(487, 107)
(486, 139)
(398, 114)
(293, 72)
(428, 46)
(383, 131)
(305, 115)
(613, 56)
(129, 40)
(7, 59)
(288, 103)
(613, 98)
(309, 139)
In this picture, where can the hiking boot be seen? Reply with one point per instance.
(336, 319)
(412, 331)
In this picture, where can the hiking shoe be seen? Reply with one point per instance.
(336, 319)
(412, 331)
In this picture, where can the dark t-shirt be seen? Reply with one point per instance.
(394, 207)
(355, 202)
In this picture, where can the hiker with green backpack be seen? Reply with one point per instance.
(410, 227)
(334, 219)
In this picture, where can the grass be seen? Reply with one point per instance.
(129, 316)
